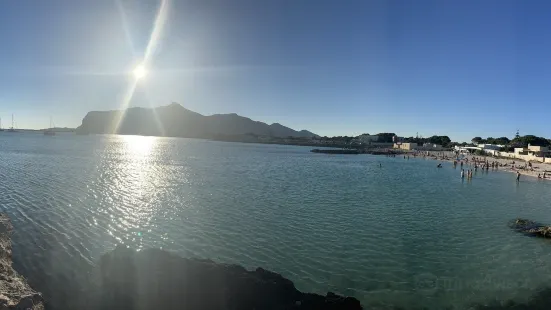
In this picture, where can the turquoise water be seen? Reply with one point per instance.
(404, 235)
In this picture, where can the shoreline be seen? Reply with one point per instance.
(15, 292)
(506, 164)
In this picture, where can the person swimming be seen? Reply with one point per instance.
(439, 166)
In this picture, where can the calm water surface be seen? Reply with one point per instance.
(407, 234)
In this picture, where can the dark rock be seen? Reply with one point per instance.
(155, 279)
(15, 292)
(531, 228)
(176, 121)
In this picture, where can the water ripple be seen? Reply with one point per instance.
(327, 222)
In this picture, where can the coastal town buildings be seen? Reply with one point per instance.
(409, 146)
(406, 146)
(530, 153)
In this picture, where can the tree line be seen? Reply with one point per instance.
(445, 141)
(518, 141)
(490, 140)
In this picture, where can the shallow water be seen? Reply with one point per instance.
(406, 235)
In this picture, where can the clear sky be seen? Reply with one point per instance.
(461, 68)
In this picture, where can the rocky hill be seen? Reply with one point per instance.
(176, 121)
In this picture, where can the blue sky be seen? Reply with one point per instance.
(461, 68)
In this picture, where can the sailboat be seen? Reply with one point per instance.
(1, 129)
(50, 131)
(12, 128)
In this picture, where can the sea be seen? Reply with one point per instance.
(390, 231)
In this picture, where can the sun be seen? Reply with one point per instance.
(139, 72)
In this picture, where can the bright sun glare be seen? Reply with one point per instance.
(140, 72)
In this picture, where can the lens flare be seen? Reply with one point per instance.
(140, 72)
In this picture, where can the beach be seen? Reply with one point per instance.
(504, 164)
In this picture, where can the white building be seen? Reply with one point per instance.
(539, 150)
(406, 146)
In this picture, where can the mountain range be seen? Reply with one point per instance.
(176, 121)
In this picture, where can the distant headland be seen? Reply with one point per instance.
(176, 121)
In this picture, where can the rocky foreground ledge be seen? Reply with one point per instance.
(155, 279)
(15, 293)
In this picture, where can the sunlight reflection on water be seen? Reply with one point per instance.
(406, 234)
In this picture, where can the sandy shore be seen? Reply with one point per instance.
(503, 164)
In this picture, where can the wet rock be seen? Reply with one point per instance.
(155, 279)
(531, 228)
(15, 293)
